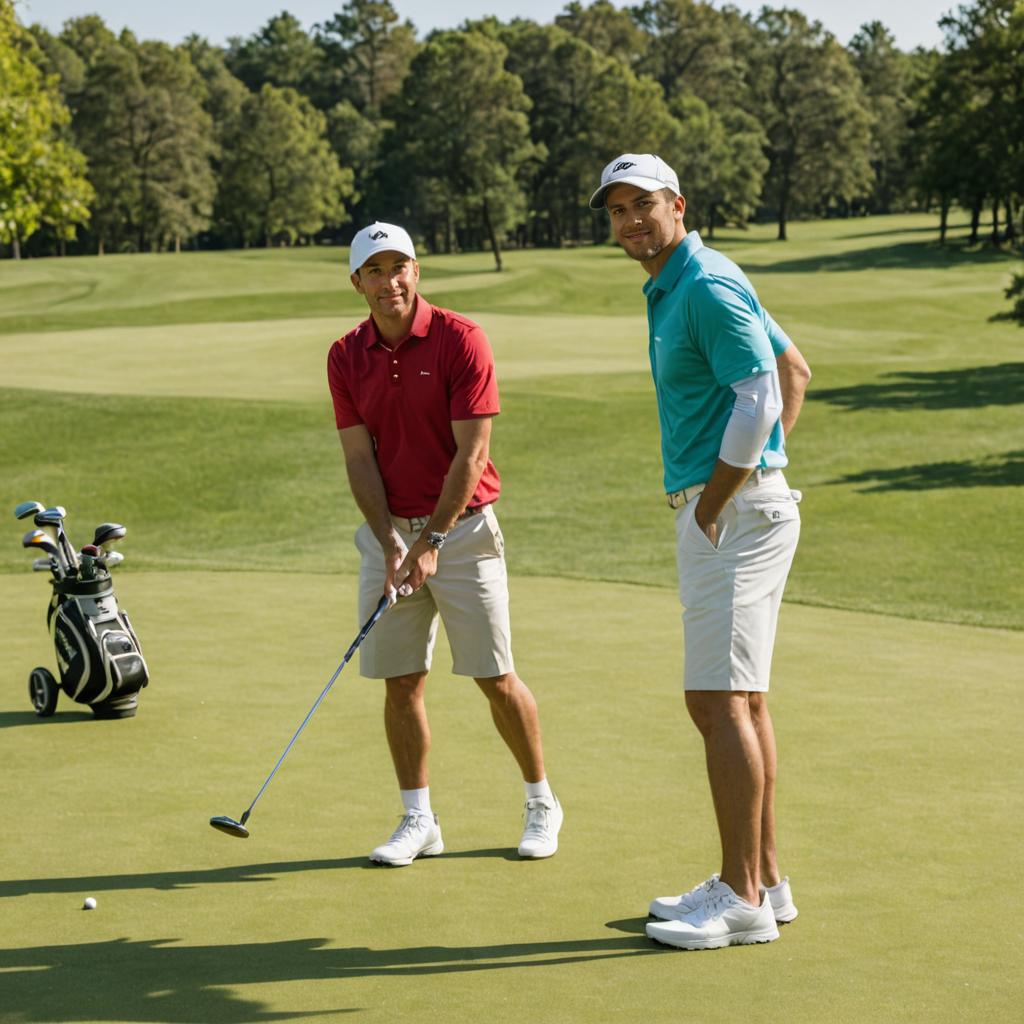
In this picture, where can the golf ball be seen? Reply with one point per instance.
(89, 904)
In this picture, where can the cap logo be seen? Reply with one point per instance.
(622, 165)
(377, 235)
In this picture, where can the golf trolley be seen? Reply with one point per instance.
(98, 654)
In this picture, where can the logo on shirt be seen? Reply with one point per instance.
(424, 373)
(622, 165)
(378, 235)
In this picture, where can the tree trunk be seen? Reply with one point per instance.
(495, 245)
(16, 247)
(177, 243)
(975, 220)
(995, 220)
(1011, 228)
(99, 247)
(943, 218)
(711, 222)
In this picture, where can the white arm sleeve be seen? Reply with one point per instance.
(757, 409)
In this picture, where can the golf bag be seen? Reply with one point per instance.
(98, 654)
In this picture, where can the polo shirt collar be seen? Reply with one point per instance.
(421, 321)
(676, 264)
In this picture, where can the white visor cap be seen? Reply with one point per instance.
(644, 170)
(379, 237)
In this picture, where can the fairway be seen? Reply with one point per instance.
(185, 396)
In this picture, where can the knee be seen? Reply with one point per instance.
(501, 689)
(712, 709)
(404, 692)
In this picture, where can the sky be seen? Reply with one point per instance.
(912, 22)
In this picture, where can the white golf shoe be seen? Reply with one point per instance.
(781, 897)
(543, 819)
(417, 835)
(720, 919)
(668, 908)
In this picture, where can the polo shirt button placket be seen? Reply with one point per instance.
(394, 375)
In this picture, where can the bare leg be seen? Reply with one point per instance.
(408, 732)
(766, 739)
(515, 715)
(736, 773)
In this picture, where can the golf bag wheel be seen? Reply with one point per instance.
(43, 691)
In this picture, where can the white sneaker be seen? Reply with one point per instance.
(721, 919)
(668, 908)
(781, 898)
(540, 833)
(417, 835)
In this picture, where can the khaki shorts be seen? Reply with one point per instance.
(731, 594)
(469, 592)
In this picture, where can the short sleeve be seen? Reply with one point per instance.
(345, 413)
(473, 388)
(729, 331)
(776, 335)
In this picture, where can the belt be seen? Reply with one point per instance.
(677, 499)
(413, 524)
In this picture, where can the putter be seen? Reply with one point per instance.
(237, 828)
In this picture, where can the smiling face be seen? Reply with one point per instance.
(387, 280)
(648, 225)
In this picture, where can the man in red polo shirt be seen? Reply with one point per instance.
(414, 395)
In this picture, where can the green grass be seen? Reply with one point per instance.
(910, 437)
(893, 826)
(185, 396)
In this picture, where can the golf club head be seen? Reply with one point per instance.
(42, 565)
(28, 508)
(112, 559)
(108, 532)
(57, 511)
(229, 826)
(39, 539)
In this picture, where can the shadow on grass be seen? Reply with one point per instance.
(916, 255)
(157, 981)
(190, 878)
(969, 388)
(999, 471)
(13, 719)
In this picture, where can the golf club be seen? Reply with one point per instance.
(28, 508)
(237, 828)
(108, 532)
(112, 558)
(38, 539)
(43, 565)
(53, 519)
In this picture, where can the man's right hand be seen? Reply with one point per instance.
(394, 555)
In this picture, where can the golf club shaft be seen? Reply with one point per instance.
(382, 605)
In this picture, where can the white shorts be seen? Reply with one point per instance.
(731, 594)
(469, 591)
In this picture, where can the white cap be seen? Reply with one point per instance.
(644, 170)
(379, 237)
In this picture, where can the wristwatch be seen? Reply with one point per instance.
(436, 540)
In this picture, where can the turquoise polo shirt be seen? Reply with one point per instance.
(707, 331)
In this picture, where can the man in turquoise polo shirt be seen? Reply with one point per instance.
(729, 385)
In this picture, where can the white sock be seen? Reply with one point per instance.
(538, 789)
(416, 800)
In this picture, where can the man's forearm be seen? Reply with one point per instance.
(794, 376)
(460, 484)
(367, 488)
(724, 482)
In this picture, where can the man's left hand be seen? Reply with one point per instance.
(419, 564)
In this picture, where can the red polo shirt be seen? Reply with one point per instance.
(407, 397)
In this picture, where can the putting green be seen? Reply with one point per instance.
(900, 802)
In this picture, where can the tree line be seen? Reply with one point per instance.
(494, 134)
